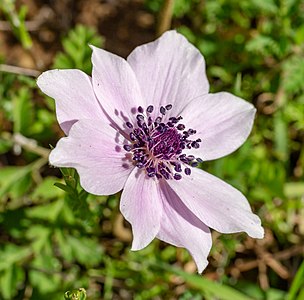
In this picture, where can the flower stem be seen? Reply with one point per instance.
(165, 17)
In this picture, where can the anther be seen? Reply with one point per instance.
(162, 110)
(132, 136)
(177, 176)
(150, 108)
(139, 165)
(157, 120)
(178, 168)
(187, 171)
(195, 145)
(127, 147)
(180, 127)
(140, 118)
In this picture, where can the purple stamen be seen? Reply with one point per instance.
(158, 146)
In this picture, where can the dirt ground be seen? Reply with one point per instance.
(124, 24)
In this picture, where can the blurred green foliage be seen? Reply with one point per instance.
(55, 237)
(17, 21)
(76, 52)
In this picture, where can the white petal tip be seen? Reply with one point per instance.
(259, 233)
(41, 79)
(55, 157)
(139, 245)
(136, 247)
(202, 266)
(52, 158)
(262, 234)
(92, 46)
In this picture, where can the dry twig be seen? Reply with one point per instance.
(165, 17)
(19, 70)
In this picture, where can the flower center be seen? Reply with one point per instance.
(158, 147)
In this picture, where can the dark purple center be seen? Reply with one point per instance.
(157, 147)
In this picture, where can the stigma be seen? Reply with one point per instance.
(157, 146)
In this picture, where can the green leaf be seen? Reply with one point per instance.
(9, 176)
(17, 21)
(268, 7)
(9, 281)
(206, 286)
(13, 254)
(46, 191)
(40, 237)
(280, 136)
(294, 189)
(50, 211)
(45, 282)
(76, 53)
(85, 250)
(293, 74)
(264, 45)
(66, 188)
(5, 146)
(297, 284)
(22, 111)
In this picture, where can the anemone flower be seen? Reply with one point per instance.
(143, 125)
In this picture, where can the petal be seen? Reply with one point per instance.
(222, 121)
(95, 150)
(116, 86)
(182, 228)
(141, 205)
(217, 204)
(169, 70)
(74, 95)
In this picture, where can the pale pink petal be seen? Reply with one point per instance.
(73, 94)
(170, 71)
(217, 204)
(180, 227)
(116, 86)
(222, 121)
(95, 150)
(141, 205)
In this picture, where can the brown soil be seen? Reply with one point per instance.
(124, 24)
